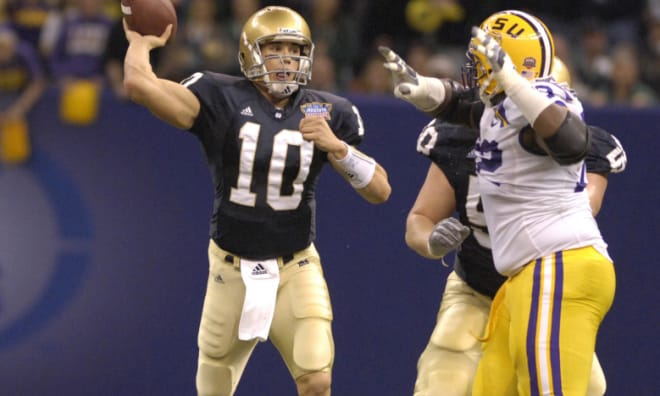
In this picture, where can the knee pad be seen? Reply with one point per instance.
(317, 383)
(459, 327)
(449, 383)
(313, 347)
(214, 380)
(444, 372)
(309, 295)
(215, 339)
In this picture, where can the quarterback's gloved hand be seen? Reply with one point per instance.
(446, 236)
(425, 93)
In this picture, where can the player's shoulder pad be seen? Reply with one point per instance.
(443, 142)
(215, 90)
(606, 154)
(203, 79)
(559, 92)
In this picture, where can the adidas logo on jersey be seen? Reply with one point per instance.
(259, 269)
(247, 112)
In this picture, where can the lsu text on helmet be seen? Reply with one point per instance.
(279, 24)
(527, 41)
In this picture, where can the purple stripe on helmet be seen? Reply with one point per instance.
(544, 40)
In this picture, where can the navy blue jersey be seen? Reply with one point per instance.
(606, 154)
(264, 173)
(450, 147)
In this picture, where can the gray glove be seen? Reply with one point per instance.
(487, 46)
(425, 93)
(446, 236)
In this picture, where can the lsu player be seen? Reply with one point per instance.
(542, 328)
(265, 138)
(448, 363)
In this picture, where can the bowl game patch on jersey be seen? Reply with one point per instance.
(316, 109)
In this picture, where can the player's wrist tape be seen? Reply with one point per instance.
(530, 101)
(359, 168)
(435, 89)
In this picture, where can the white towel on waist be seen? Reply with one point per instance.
(261, 279)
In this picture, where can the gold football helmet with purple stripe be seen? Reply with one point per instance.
(527, 41)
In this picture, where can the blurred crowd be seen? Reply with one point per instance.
(611, 48)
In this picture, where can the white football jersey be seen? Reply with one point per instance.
(533, 205)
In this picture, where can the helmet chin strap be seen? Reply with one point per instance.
(280, 90)
(487, 97)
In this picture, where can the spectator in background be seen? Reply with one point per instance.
(336, 32)
(620, 19)
(200, 43)
(625, 87)
(22, 82)
(22, 78)
(372, 79)
(592, 62)
(77, 60)
(650, 54)
(324, 73)
(28, 18)
(417, 56)
(80, 45)
(445, 22)
(232, 26)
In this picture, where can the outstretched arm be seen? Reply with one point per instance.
(425, 93)
(439, 98)
(167, 100)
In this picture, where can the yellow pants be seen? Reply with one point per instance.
(542, 329)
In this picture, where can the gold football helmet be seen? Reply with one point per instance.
(526, 40)
(275, 24)
(560, 72)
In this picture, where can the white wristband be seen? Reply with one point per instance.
(530, 101)
(435, 89)
(359, 168)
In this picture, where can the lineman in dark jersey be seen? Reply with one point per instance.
(448, 363)
(265, 139)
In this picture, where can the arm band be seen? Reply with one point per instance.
(358, 167)
(571, 142)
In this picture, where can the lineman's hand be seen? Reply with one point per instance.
(487, 46)
(446, 236)
(425, 93)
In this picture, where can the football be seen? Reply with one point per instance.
(149, 17)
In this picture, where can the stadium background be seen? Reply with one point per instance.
(103, 237)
